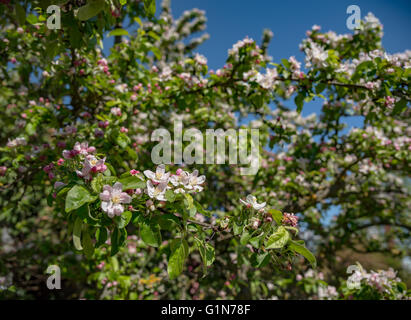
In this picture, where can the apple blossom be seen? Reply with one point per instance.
(251, 201)
(112, 199)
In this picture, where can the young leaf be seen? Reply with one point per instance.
(115, 242)
(76, 197)
(132, 182)
(78, 224)
(207, 253)
(101, 236)
(87, 244)
(179, 253)
(124, 219)
(91, 9)
(278, 239)
(150, 233)
(294, 246)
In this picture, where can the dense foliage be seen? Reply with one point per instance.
(79, 189)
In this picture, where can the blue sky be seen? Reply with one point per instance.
(230, 21)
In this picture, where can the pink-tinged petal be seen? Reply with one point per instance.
(66, 154)
(149, 174)
(251, 199)
(162, 186)
(125, 198)
(110, 212)
(259, 206)
(58, 184)
(118, 187)
(161, 169)
(201, 179)
(195, 173)
(105, 195)
(77, 146)
(105, 206)
(107, 188)
(118, 209)
(150, 188)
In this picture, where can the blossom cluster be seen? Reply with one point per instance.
(382, 281)
(181, 182)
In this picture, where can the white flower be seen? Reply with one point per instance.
(180, 179)
(112, 199)
(166, 73)
(267, 81)
(157, 191)
(160, 176)
(17, 142)
(200, 59)
(194, 181)
(91, 165)
(316, 55)
(251, 201)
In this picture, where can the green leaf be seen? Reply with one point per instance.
(179, 252)
(286, 63)
(400, 106)
(20, 14)
(150, 233)
(31, 18)
(170, 195)
(76, 197)
(87, 245)
(237, 229)
(320, 88)
(132, 182)
(207, 253)
(255, 241)
(123, 140)
(90, 10)
(245, 237)
(189, 203)
(97, 183)
(150, 7)
(294, 246)
(101, 236)
(115, 247)
(124, 219)
(299, 101)
(278, 239)
(260, 260)
(168, 221)
(78, 224)
(277, 215)
(118, 32)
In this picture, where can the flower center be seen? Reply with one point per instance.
(115, 199)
